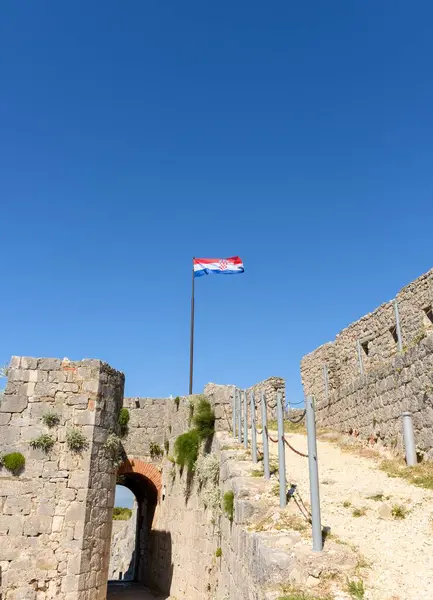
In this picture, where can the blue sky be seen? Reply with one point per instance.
(137, 135)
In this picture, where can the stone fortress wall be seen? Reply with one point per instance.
(362, 381)
(56, 515)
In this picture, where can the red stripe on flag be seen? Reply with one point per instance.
(205, 261)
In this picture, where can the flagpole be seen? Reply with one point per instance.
(191, 342)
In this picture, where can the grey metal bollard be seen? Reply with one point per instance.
(253, 429)
(281, 451)
(239, 405)
(314, 476)
(245, 420)
(266, 471)
(409, 440)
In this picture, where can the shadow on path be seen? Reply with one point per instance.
(131, 591)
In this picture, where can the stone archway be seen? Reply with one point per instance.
(144, 480)
(147, 470)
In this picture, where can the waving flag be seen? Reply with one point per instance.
(218, 266)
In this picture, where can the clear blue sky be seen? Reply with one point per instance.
(135, 135)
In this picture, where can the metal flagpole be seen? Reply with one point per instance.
(191, 342)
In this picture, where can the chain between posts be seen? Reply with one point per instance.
(314, 516)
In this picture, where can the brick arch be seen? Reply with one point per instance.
(148, 470)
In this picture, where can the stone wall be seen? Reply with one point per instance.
(55, 517)
(361, 382)
(221, 398)
(122, 554)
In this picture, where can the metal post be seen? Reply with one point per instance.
(253, 429)
(191, 339)
(325, 379)
(361, 364)
(239, 405)
(266, 471)
(281, 451)
(314, 476)
(234, 412)
(409, 440)
(397, 326)
(245, 421)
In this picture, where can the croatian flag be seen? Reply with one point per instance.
(218, 266)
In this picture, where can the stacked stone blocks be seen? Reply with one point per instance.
(370, 403)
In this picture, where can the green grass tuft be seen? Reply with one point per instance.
(123, 421)
(399, 511)
(44, 442)
(14, 462)
(420, 475)
(50, 419)
(186, 449)
(204, 418)
(229, 505)
(76, 440)
(356, 589)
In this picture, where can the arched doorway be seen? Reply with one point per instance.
(144, 481)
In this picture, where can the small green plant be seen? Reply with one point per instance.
(291, 593)
(166, 446)
(155, 450)
(359, 512)
(356, 589)
(121, 513)
(123, 420)
(347, 504)
(186, 449)
(44, 442)
(398, 511)
(76, 440)
(275, 491)
(204, 418)
(50, 419)
(171, 459)
(256, 473)
(191, 412)
(218, 553)
(229, 505)
(14, 462)
(419, 337)
(177, 402)
(377, 497)
(114, 449)
(420, 475)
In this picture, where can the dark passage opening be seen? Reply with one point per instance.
(137, 566)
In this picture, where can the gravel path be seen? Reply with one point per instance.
(400, 552)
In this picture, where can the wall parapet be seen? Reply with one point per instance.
(357, 380)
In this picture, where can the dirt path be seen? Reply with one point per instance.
(400, 552)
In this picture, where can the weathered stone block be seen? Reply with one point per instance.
(35, 525)
(4, 419)
(79, 479)
(77, 400)
(28, 363)
(49, 364)
(18, 505)
(13, 404)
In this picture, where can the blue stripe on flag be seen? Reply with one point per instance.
(202, 272)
